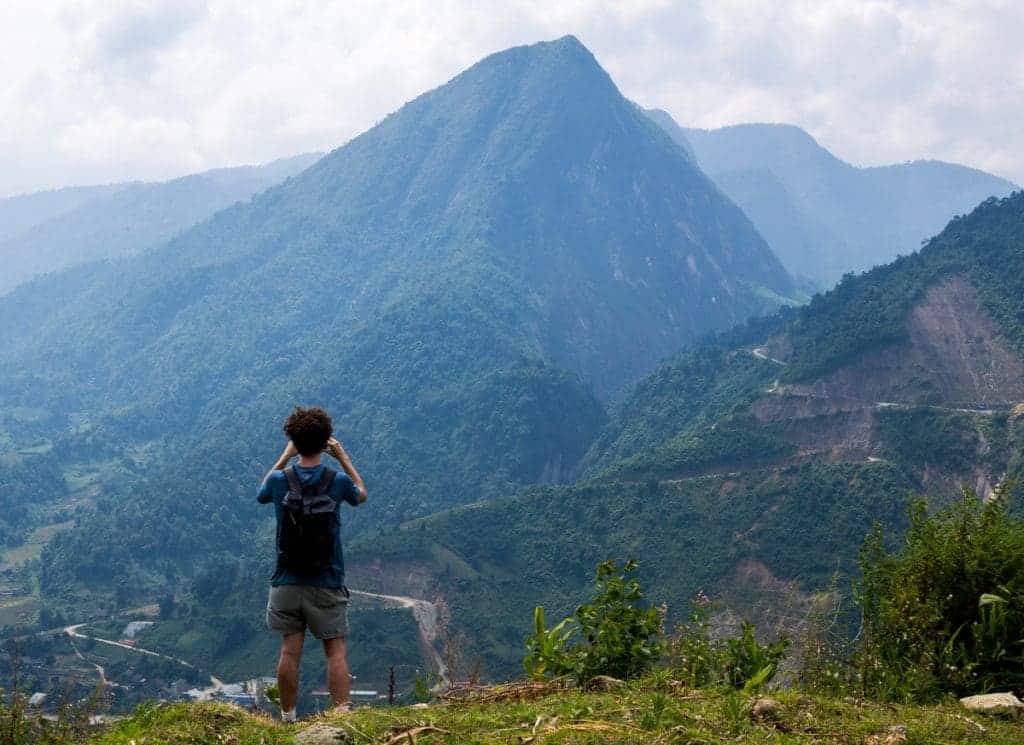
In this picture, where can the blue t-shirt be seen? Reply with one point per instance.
(275, 488)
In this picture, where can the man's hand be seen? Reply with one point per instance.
(335, 450)
(282, 460)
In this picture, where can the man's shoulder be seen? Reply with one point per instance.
(341, 480)
(343, 485)
(273, 487)
(277, 483)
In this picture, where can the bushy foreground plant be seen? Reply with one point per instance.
(740, 662)
(945, 612)
(613, 635)
(616, 635)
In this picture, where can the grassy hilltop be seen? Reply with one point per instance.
(647, 711)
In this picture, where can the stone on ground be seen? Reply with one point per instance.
(766, 708)
(605, 683)
(322, 734)
(995, 703)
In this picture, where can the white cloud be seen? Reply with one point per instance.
(96, 90)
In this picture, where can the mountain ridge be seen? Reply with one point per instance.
(104, 222)
(823, 216)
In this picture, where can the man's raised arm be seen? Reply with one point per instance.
(289, 452)
(335, 449)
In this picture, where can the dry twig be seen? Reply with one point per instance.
(409, 735)
(507, 692)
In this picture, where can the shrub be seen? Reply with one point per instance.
(616, 635)
(696, 658)
(748, 664)
(547, 655)
(945, 612)
(741, 662)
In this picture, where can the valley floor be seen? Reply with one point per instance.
(640, 713)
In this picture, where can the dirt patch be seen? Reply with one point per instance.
(953, 356)
(845, 434)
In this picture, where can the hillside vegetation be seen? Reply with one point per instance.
(725, 469)
(719, 474)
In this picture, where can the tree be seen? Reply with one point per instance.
(167, 606)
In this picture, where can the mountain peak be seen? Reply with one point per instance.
(549, 63)
(568, 43)
(567, 46)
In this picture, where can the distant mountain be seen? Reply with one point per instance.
(50, 231)
(664, 120)
(822, 216)
(19, 213)
(752, 465)
(463, 285)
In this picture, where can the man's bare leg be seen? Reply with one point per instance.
(288, 670)
(337, 670)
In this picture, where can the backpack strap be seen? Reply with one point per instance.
(326, 480)
(294, 485)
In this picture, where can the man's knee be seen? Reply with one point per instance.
(335, 647)
(291, 646)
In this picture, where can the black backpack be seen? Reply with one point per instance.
(308, 527)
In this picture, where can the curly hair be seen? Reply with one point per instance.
(309, 429)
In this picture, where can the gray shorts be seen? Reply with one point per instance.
(292, 608)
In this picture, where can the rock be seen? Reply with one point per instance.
(322, 734)
(765, 708)
(605, 683)
(994, 703)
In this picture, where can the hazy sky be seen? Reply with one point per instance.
(102, 90)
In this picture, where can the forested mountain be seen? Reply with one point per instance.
(463, 286)
(49, 231)
(760, 457)
(822, 216)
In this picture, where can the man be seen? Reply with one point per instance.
(308, 587)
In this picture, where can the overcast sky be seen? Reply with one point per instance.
(101, 90)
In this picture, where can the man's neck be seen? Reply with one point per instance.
(310, 461)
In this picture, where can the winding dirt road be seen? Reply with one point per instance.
(73, 632)
(424, 613)
(426, 616)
